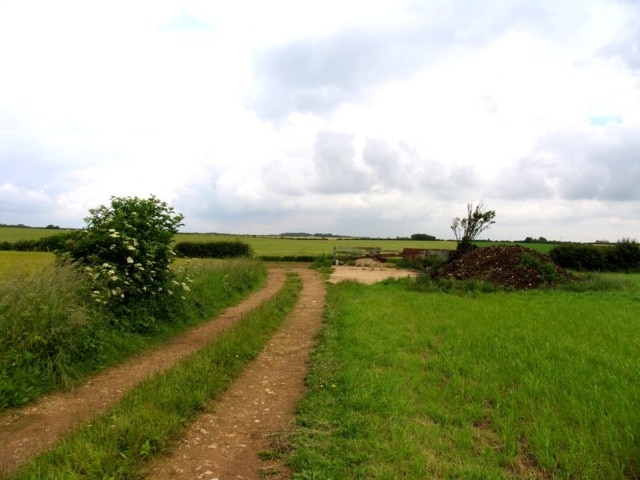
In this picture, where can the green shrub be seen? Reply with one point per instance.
(213, 249)
(323, 263)
(546, 269)
(549, 272)
(126, 252)
(624, 256)
(579, 257)
(54, 243)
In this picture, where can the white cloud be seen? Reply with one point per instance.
(377, 118)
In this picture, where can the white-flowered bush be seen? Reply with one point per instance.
(126, 251)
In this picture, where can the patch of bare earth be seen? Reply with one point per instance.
(226, 440)
(29, 431)
(367, 271)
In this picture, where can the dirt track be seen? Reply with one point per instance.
(367, 274)
(29, 431)
(225, 441)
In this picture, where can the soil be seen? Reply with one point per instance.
(509, 266)
(368, 273)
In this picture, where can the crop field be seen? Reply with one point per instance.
(268, 246)
(537, 384)
(23, 262)
(13, 234)
(278, 246)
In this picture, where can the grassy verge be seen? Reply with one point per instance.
(540, 384)
(150, 418)
(50, 338)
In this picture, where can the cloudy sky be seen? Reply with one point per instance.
(377, 118)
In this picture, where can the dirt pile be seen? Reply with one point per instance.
(369, 262)
(510, 266)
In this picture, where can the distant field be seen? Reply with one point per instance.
(276, 246)
(11, 234)
(23, 262)
(265, 246)
(540, 247)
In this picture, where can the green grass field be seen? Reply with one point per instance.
(265, 246)
(24, 262)
(13, 234)
(539, 384)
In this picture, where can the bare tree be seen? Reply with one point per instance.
(468, 229)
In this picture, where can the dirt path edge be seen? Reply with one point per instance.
(225, 441)
(31, 430)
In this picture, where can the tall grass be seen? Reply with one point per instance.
(150, 418)
(46, 331)
(51, 336)
(541, 384)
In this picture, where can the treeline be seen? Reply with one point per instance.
(423, 236)
(535, 240)
(20, 225)
(623, 256)
(312, 235)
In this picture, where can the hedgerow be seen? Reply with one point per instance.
(624, 256)
(213, 249)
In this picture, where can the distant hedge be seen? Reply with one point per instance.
(212, 249)
(182, 249)
(45, 244)
(623, 256)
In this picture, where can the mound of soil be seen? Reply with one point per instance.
(510, 266)
(369, 262)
